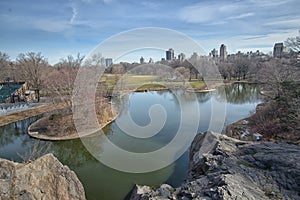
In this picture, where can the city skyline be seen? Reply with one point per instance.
(58, 29)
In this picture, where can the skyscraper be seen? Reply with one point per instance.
(278, 50)
(181, 56)
(214, 53)
(223, 52)
(142, 60)
(108, 62)
(170, 54)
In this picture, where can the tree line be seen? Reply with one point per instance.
(279, 78)
(34, 69)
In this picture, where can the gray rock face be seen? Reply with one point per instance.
(44, 178)
(225, 168)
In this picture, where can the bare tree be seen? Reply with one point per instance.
(241, 67)
(70, 62)
(293, 44)
(117, 70)
(226, 70)
(32, 65)
(281, 90)
(275, 74)
(184, 73)
(4, 67)
(60, 81)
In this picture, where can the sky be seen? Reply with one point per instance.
(59, 28)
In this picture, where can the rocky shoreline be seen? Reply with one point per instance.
(226, 168)
(44, 178)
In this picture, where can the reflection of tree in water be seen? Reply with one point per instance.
(238, 93)
(73, 153)
(122, 104)
(182, 96)
(9, 133)
(203, 97)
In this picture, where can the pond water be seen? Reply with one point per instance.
(103, 182)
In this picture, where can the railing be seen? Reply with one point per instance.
(9, 108)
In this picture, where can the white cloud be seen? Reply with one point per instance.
(208, 12)
(51, 25)
(292, 23)
(74, 14)
(152, 5)
(241, 16)
(198, 13)
(268, 3)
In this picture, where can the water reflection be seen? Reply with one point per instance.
(14, 130)
(102, 182)
(238, 93)
(72, 153)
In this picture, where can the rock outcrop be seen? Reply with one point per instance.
(44, 178)
(225, 168)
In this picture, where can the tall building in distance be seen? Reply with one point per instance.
(170, 54)
(181, 57)
(142, 60)
(223, 52)
(108, 62)
(214, 53)
(278, 50)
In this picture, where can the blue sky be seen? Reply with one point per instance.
(58, 28)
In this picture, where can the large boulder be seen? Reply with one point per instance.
(44, 178)
(225, 168)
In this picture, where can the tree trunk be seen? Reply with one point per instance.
(37, 91)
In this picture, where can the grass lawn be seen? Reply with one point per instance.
(147, 82)
(152, 86)
(198, 85)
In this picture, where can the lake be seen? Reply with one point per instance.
(102, 182)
